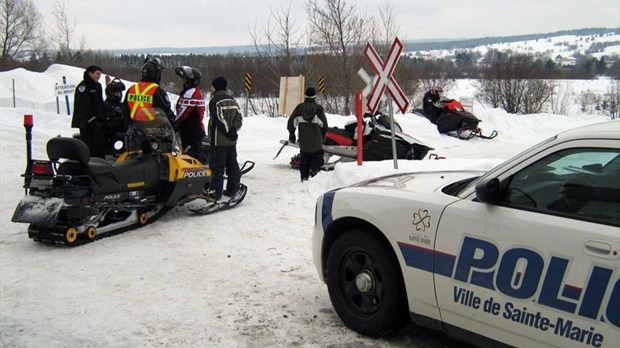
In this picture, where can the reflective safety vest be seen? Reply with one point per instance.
(140, 101)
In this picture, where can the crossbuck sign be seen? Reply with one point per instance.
(384, 77)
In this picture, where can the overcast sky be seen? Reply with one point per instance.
(114, 24)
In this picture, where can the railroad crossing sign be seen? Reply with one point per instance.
(385, 78)
(248, 82)
(370, 82)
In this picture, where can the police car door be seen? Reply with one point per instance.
(529, 270)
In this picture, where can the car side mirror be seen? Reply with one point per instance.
(487, 191)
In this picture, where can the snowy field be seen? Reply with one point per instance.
(238, 278)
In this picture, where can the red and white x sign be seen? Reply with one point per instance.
(385, 78)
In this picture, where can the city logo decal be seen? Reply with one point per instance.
(421, 220)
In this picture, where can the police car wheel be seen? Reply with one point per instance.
(365, 284)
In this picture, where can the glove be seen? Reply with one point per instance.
(291, 138)
(232, 134)
(96, 126)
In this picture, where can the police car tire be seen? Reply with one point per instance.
(376, 313)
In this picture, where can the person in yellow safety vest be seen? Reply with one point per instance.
(147, 100)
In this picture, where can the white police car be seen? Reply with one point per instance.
(527, 254)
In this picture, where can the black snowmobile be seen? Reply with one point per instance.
(376, 141)
(455, 121)
(73, 198)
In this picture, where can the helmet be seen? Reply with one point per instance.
(114, 86)
(439, 88)
(192, 75)
(152, 68)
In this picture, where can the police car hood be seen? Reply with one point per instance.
(422, 182)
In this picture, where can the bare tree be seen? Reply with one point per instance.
(338, 29)
(611, 100)
(562, 98)
(589, 101)
(513, 86)
(388, 28)
(69, 46)
(20, 26)
(277, 45)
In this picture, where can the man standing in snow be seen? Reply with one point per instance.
(225, 119)
(88, 114)
(190, 112)
(310, 118)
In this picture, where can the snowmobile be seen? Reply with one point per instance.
(455, 121)
(376, 142)
(72, 198)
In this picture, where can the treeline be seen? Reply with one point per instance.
(502, 74)
(409, 72)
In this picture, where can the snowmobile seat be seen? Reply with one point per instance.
(115, 176)
(68, 148)
(351, 127)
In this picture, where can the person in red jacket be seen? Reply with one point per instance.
(190, 112)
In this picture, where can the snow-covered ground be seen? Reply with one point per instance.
(238, 278)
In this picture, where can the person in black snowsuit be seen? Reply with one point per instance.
(88, 114)
(225, 119)
(190, 112)
(429, 103)
(310, 118)
(116, 122)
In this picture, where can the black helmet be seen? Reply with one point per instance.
(114, 86)
(152, 68)
(192, 75)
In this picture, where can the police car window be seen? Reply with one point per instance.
(496, 171)
(580, 183)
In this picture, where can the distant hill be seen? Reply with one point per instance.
(485, 41)
(410, 45)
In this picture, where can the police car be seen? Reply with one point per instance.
(526, 254)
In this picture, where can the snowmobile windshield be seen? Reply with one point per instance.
(156, 135)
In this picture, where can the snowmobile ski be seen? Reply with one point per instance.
(247, 166)
(224, 204)
(467, 133)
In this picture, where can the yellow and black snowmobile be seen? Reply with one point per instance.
(73, 198)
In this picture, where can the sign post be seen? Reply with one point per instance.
(248, 88)
(64, 82)
(384, 81)
(359, 110)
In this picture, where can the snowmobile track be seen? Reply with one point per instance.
(57, 236)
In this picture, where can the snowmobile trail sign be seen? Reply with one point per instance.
(64, 89)
(385, 78)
